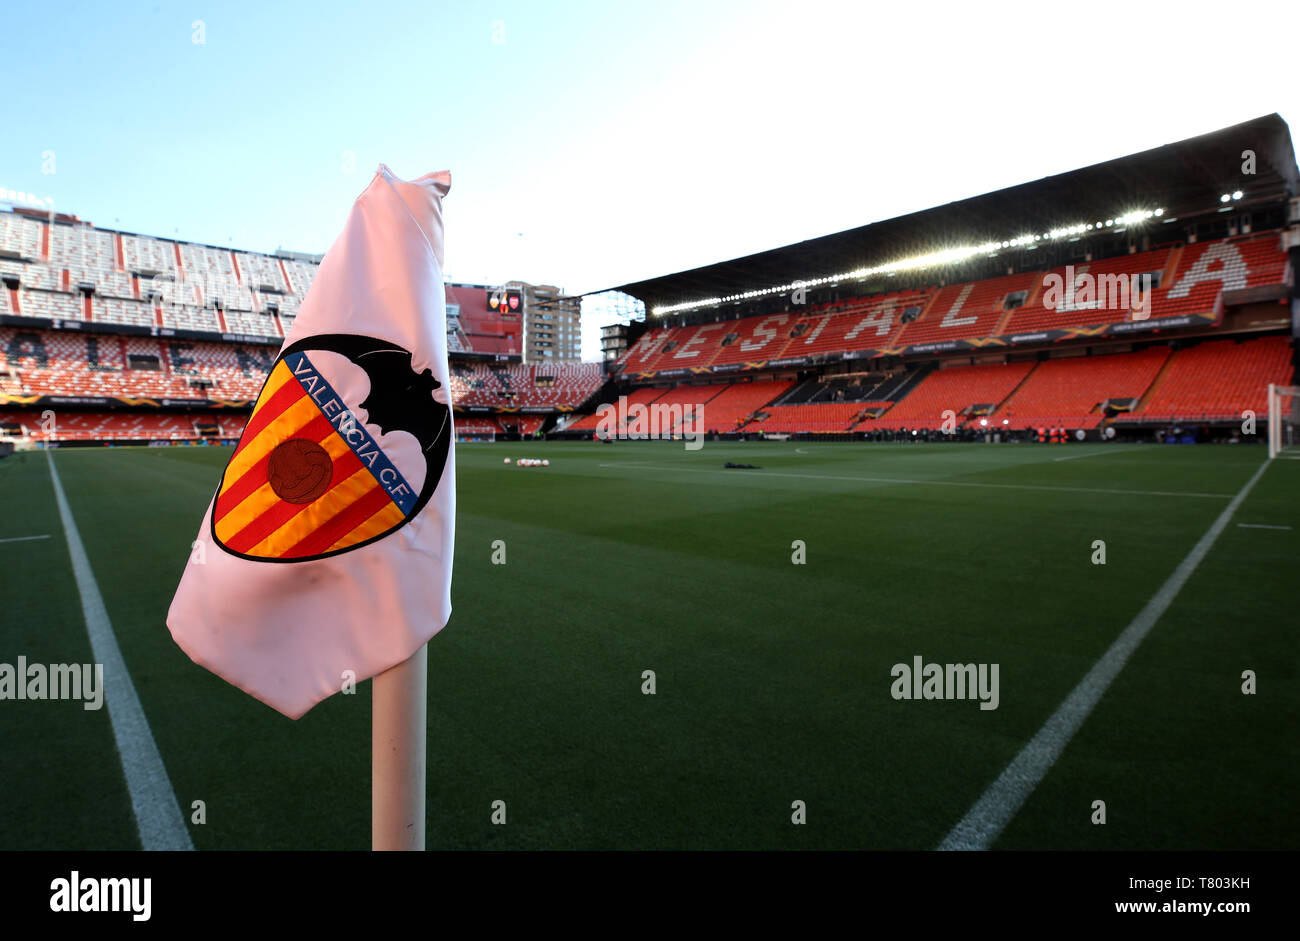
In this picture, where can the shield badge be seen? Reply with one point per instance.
(345, 446)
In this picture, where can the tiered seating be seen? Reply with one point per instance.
(1070, 392)
(822, 418)
(52, 362)
(180, 292)
(143, 254)
(288, 305)
(515, 385)
(246, 322)
(1207, 268)
(639, 397)
(258, 272)
(972, 310)
(520, 424)
(641, 356)
(1082, 307)
(563, 384)
(955, 388)
(962, 311)
(20, 235)
(51, 305)
(128, 426)
(863, 323)
(33, 275)
(90, 257)
(738, 401)
(476, 425)
(301, 274)
(82, 254)
(82, 246)
(112, 310)
(214, 270)
(752, 339)
(1218, 381)
(232, 376)
(685, 402)
(190, 318)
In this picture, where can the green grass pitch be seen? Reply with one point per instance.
(772, 679)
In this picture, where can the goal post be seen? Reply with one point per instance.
(1283, 421)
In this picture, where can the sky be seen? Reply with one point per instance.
(593, 144)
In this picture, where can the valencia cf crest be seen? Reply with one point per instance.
(345, 446)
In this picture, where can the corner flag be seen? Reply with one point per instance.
(325, 555)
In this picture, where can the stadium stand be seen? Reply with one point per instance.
(958, 389)
(1217, 381)
(520, 424)
(1072, 392)
(1095, 297)
(1206, 270)
(261, 273)
(517, 385)
(736, 403)
(58, 363)
(819, 418)
(115, 426)
(476, 425)
(643, 396)
(897, 354)
(1184, 280)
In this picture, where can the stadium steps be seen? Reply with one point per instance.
(1167, 280)
(910, 381)
(1001, 328)
(1155, 383)
(1020, 385)
(798, 394)
(1030, 299)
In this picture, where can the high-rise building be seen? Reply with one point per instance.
(552, 323)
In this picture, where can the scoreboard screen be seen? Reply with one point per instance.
(504, 301)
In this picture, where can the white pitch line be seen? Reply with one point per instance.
(25, 538)
(934, 483)
(1260, 526)
(157, 814)
(1005, 796)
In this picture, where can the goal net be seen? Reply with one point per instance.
(1284, 421)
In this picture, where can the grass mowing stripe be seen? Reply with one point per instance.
(933, 483)
(1005, 796)
(157, 814)
(1075, 457)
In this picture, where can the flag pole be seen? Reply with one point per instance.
(397, 766)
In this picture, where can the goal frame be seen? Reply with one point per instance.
(1282, 421)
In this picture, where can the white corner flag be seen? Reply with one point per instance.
(325, 555)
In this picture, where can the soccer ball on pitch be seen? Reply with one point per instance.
(545, 462)
(507, 460)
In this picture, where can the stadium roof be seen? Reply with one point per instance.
(1181, 178)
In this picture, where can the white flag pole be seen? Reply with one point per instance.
(397, 768)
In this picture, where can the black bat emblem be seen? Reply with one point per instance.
(400, 398)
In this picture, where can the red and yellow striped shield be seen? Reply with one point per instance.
(305, 480)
